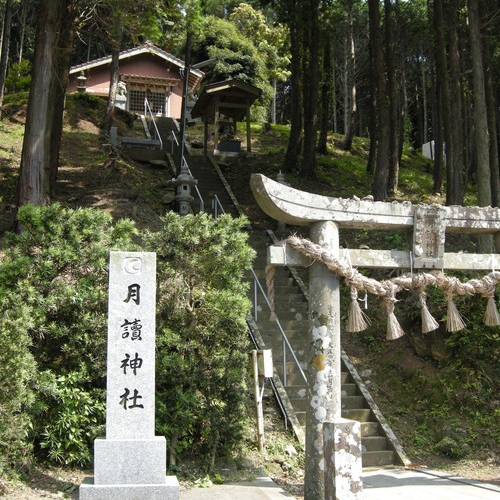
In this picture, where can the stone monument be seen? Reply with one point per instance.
(130, 462)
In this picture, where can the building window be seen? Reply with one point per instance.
(136, 101)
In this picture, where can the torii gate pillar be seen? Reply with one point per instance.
(324, 370)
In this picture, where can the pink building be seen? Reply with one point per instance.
(144, 71)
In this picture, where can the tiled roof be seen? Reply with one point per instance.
(141, 49)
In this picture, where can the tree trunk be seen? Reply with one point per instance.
(381, 178)
(392, 98)
(4, 57)
(311, 88)
(113, 87)
(491, 106)
(58, 90)
(293, 152)
(42, 121)
(326, 92)
(442, 138)
(480, 111)
(455, 150)
(480, 119)
(350, 57)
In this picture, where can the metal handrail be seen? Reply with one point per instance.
(217, 205)
(147, 108)
(285, 342)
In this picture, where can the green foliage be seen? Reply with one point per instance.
(16, 378)
(202, 340)
(54, 314)
(236, 57)
(74, 419)
(271, 41)
(19, 77)
(53, 310)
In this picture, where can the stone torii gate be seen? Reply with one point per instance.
(324, 216)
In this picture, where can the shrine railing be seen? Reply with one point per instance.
(149, 113)
(260, 297)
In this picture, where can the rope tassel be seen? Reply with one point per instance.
(454, 321)
(429, 324)
(491, 317)
(357, 320)
(394, 330)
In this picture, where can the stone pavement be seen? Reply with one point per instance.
(422, 484)
(380, 484)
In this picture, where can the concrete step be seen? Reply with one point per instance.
(289, 297)
(377, 458)
(353, 403)
(349, 403)
(359, 414)
(370, 429)
(294, 379)
(300, 391)
(349, 389)
(374, 443)
(289, 318)
(296, 391)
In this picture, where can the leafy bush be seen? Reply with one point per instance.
(202, 340)
(19, 77)
(53, 310)
(75, 419)
(16, 377)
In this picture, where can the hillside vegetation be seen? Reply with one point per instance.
(439, 391)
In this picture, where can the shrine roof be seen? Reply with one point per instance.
(195, 75)
(233, 96)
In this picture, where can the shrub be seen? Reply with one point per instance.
(16, 377)
(19, 77)
(54, 315)
(74, 419)
(202, 337)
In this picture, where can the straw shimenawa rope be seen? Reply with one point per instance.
(388, 289)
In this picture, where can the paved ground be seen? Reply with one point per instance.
(383, 484)
(423, 485)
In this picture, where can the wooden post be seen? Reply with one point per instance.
(249, 142)
(258, 401)
(205, 137)
(216, 125)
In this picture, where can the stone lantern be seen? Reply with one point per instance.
(183, 198)
(81, 82)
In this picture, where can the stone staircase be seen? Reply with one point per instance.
(380, 445)
(210, 184)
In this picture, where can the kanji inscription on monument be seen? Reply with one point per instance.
(131, 346)
(428, 237)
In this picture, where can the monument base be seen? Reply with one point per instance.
(130, 469)
(130, 461)
(167, 491)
